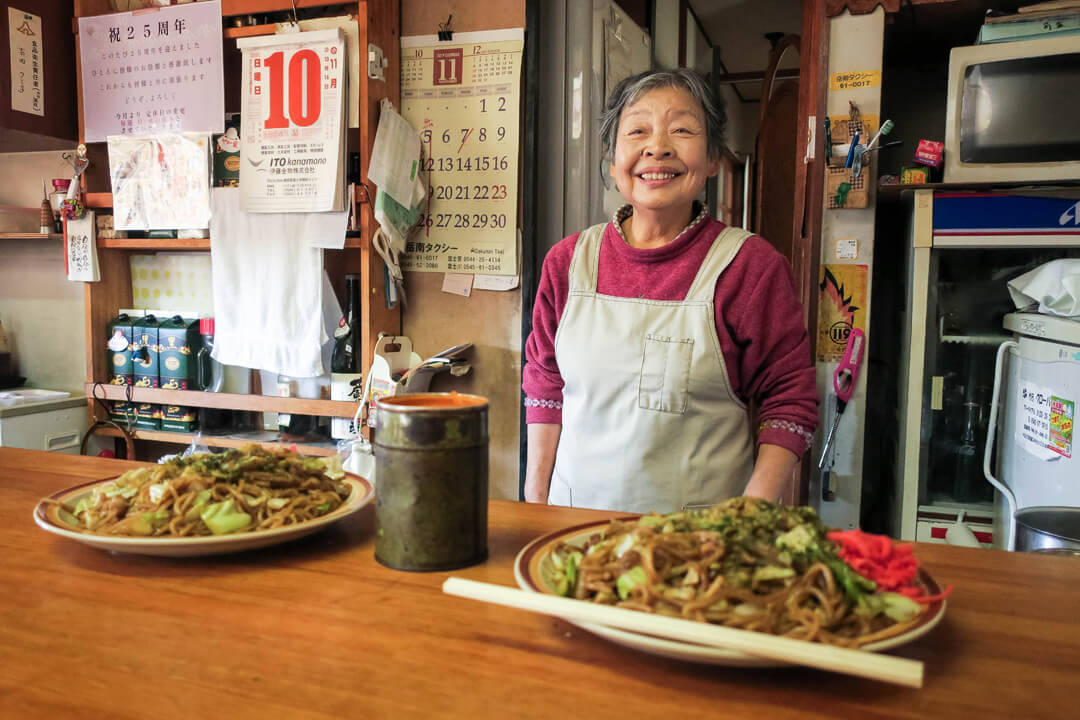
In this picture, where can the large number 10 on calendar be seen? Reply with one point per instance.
(292, 110)
(463, 98)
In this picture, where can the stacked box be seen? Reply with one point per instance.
(121, 367)
(145, 362)
(148, 416)
(179, 342)
(179, 418)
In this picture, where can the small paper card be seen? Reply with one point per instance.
(457, 284)
(495, 282)
(81, 249)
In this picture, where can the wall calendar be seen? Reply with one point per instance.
(463, 97)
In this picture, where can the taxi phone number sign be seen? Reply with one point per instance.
(291, 110)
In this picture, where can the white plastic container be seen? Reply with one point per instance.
(54, 425)
(1038, 393)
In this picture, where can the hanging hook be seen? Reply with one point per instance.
(445, 33)
(295, 20)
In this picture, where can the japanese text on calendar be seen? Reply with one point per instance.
(463, 98)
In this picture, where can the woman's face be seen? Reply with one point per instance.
(661, 158)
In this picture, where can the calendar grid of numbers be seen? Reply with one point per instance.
(463, 98)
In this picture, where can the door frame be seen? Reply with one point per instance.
(809, 189)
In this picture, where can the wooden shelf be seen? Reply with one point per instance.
(351, 243)
(99, 200)
(226, 441)
(227, 401)
(104, 201)
(983, 186)
(249, 7)
(31, 236)
(249, 31)
(84, 8)
(154, 243)
(378, 22)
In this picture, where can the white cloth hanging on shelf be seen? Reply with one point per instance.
(268, 287)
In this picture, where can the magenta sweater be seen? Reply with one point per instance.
(759, 321)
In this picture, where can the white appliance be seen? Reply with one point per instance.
(55, 425)
(1033, 411)
(1005, 107)
(963, 248)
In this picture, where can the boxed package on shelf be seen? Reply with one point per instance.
(179, 342)
(144, 351)
(148, 416)
(179, 418)
(119, 350)
(120, 331)
(145, 360)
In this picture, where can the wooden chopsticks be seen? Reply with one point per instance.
(885, 668)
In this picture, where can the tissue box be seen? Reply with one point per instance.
(929, 152)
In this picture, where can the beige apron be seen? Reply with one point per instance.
(649, 421)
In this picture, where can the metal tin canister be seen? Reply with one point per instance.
(431, 489)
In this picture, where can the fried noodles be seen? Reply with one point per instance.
(745, 564)
(245, 490)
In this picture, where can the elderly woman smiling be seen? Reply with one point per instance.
(651, 333)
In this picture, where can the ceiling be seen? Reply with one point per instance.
(738, 28)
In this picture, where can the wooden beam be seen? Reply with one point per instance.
(754, 77)
(809, 189)
(227, 401)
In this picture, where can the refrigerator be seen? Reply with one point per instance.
(962, 249)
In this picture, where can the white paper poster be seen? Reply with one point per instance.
(463, 97)
(27, 62)
(1044, 422)
(292, 142)
(81, 249)
(151, 71)
(160, 182)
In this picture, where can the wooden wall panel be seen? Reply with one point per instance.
(20, 131)
(435, 320)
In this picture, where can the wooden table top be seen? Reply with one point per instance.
(318, 629)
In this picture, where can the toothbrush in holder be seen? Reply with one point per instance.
(885, 129)
(851, 149)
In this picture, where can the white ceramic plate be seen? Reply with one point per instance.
(528, 571)
(47, 516)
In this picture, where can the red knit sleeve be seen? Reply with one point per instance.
(765, 318)
(541, 379)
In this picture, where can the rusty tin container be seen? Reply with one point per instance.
(431, 489)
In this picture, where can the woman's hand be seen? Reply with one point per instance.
(772, 472)
(543, 441)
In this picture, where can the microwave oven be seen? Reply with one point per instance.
(1013, 112)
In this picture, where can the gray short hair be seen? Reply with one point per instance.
(628, 92)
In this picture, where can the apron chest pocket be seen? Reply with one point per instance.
(665, 373)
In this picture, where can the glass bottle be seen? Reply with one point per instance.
(210, 377)
(346, 374)
(293, 426)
